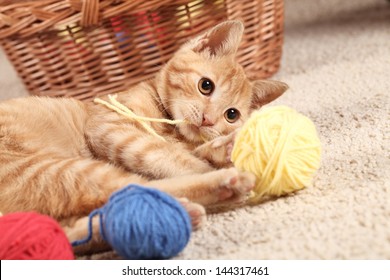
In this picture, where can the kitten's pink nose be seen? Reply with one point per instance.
(207, 121)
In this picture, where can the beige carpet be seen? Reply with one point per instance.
(337, 62)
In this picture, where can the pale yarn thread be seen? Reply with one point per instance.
(281, 147)
(121, 109)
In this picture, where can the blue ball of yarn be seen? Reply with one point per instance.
(143, 223)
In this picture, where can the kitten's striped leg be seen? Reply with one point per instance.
(142, 153)
(224, 187)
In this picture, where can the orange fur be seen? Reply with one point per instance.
(64, 158)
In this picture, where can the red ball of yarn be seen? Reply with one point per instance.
(32, 236)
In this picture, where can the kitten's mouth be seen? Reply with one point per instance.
(195, 133)
(194, 128)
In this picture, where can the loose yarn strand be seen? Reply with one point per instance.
(129, 115)
(90, 230)
(119, 105)
(121, 109)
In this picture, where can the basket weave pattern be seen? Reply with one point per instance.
(86, 48)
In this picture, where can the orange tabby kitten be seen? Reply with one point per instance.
(64, 158)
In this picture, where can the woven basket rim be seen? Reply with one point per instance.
(28, 17)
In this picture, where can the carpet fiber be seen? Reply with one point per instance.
(336, 60)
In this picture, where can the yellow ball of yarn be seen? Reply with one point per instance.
(281, 147)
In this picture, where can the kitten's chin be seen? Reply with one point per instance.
(191, 133)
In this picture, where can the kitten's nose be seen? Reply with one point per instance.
(207, 121)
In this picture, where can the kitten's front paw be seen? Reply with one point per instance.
(218, 151)
(236, 186)
(225, 144)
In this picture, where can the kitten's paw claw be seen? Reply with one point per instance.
(196, 212)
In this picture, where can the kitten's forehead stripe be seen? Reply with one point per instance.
(184, 70)
(228, 77)
(237, 89)
(172, 85)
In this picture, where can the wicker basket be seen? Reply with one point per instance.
(85, 48)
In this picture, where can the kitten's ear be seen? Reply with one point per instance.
(265, 91)
(223, 39)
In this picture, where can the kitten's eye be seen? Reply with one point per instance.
(205, 86)
(232, 115)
